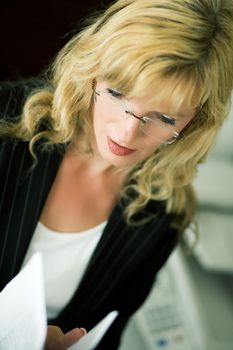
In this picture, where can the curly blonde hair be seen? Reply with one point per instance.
(185, 46)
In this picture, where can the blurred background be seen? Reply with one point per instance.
(32, 32)
(191, 304)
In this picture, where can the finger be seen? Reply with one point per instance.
(72, 336)
(54, 338)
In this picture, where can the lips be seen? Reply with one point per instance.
(117, 149)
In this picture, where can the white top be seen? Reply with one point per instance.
(65, 258)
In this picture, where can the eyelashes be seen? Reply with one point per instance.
(114, 93)
(167, 120)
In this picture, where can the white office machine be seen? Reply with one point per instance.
(189, 308)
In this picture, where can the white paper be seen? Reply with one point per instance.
(90, 340)
(22, 309)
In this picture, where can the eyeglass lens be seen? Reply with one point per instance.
(156, 127)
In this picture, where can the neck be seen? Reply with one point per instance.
(83, 156)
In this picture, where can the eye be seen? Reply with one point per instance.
(166, 119)
(114, 93)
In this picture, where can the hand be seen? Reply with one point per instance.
(57, 340)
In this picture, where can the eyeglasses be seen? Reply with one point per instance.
(159, 126)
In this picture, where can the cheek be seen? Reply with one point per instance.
(147, 150)
(97, 118)
(100, 116)
(150, 145)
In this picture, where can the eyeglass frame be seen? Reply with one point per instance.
(143, 120)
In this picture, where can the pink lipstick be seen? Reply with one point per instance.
(117, 149)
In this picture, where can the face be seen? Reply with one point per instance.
(120, 138)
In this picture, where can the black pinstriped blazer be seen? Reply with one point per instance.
(125, 262)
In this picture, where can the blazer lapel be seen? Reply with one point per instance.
(23, 194)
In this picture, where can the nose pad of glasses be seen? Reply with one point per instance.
(133, 115)
(135, 122)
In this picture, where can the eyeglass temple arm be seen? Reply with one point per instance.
(95, 91)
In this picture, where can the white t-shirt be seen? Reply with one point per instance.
(65, 258)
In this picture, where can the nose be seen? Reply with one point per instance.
(130, 128)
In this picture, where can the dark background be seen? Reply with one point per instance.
(33, 31)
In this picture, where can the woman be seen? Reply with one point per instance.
(96, 173)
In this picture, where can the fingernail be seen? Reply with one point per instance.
(84, 330)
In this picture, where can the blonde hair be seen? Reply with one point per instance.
(186, 46)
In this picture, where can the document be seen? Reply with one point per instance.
(90, 340)
(23, 321)
(23, 324)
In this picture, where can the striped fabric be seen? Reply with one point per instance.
(124, 264)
